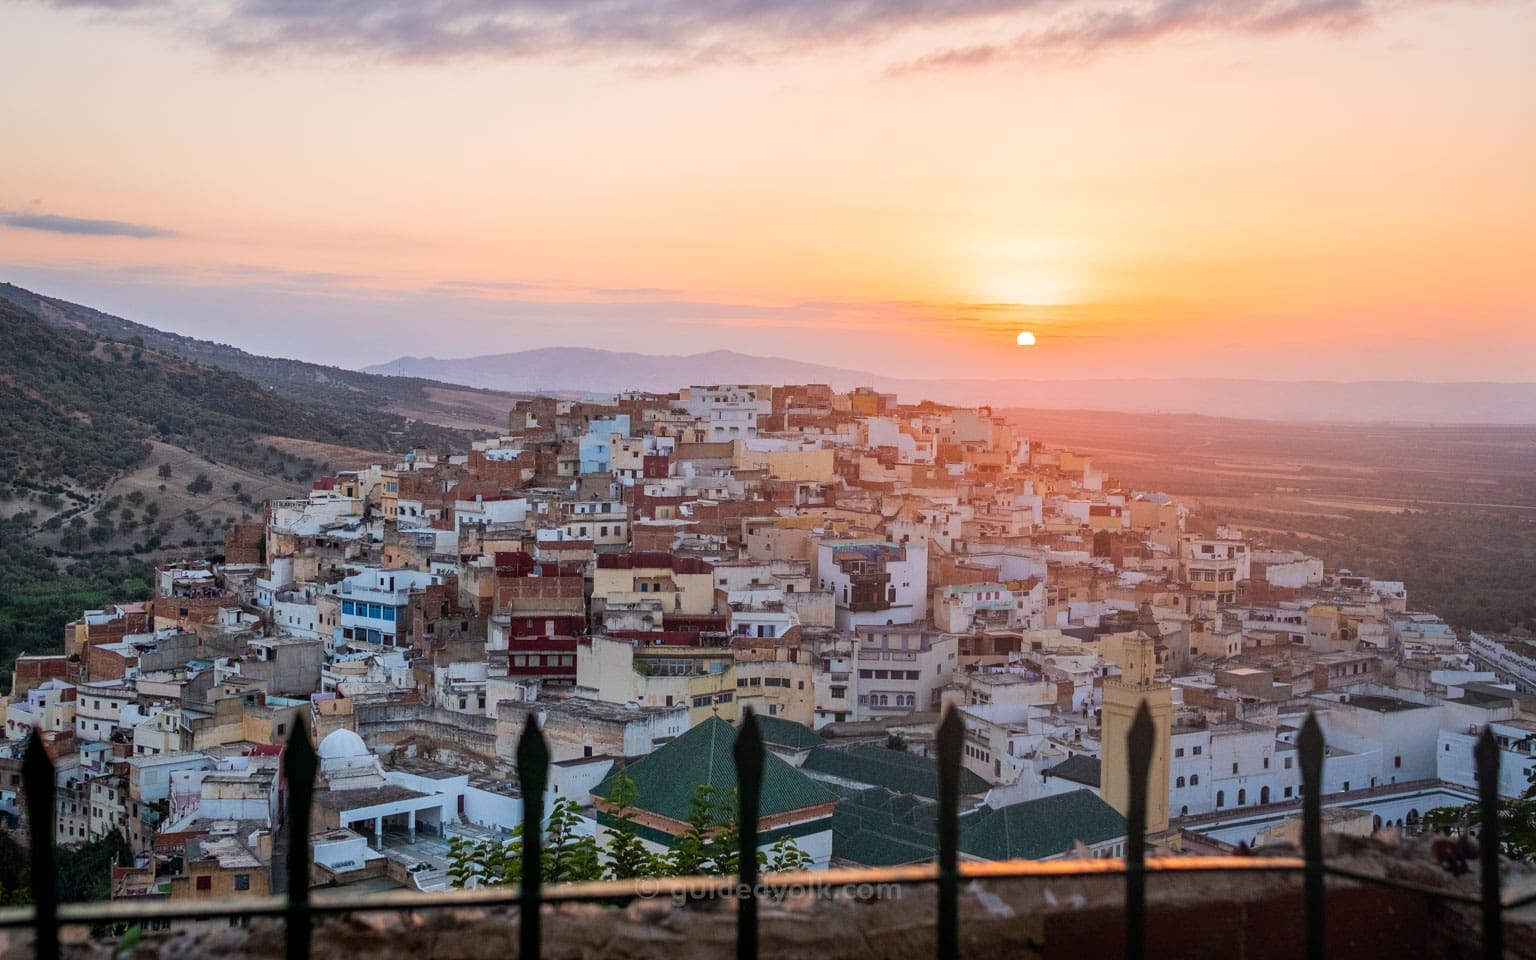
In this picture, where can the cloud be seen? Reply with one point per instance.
(1084, 33)
(667, 35)
(84, 227)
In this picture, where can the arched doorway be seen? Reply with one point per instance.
(1264, 795)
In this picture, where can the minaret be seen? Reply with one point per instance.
(1122, 696)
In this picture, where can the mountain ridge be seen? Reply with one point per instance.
(595, 370)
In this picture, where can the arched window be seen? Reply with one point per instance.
(1221, 799)
(1242, 797)
(1180, 782)
(1194, 779)
(1264, 795)
(1184, 811)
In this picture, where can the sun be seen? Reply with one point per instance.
(1025, 339)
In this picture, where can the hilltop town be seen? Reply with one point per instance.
(635, 571)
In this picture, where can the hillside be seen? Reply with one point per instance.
(341, 391)
(117, 454)
(78, 409)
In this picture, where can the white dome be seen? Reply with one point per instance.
(342, 744)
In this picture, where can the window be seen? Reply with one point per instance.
(1197, 751)
(1234, 766)
(242, 881)
(205, 883)
(1180, 782)
(1242, 797)
(1288, 763)
(1397, 762)
(1194, 779)
(1266, 763)
(1346, 786)
(1287, 792)
(1221, 799)
(1178, 752)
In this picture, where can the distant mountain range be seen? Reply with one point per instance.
(589, 370)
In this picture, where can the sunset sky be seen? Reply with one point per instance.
(1279, 189)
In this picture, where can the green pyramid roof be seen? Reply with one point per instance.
(787, 733)
(1042, 828)
(895, 770)
(1079, 768)
(666, 779)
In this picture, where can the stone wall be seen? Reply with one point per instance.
(385, 725)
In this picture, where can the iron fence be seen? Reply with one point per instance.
(299, 765)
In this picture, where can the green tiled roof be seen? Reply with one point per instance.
(893, 769)
(787, 733)
(1079, 769)
(665, 780)
(878, 828)
(1042, 828)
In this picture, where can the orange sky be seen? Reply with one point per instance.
(1269, 188)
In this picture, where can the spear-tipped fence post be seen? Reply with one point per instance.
(1311, 749)
(299, 765)
(951, 741)
(532, 776)
(37, 771)
(1486, 755)
(748, 753)
(1139, 744)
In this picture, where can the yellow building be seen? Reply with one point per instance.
(806, 466)
(774, 678)
(659, 675)
(224, 867)
(1123, 696)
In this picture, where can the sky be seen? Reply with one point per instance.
(1275, 189)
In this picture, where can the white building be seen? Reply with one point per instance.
(731, 410)
(874, 582)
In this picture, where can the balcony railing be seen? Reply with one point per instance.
(46, 915)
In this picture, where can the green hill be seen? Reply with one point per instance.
(117, 447)
(342, 391)
(78, 409)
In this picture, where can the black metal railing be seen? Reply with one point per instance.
(299, 766)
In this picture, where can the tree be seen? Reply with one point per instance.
(200, 484)
(566, 858)
(627, 856)
(785, 855)
(708, 846)
(1517, 822)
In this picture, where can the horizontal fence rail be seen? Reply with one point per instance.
(298, 908)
